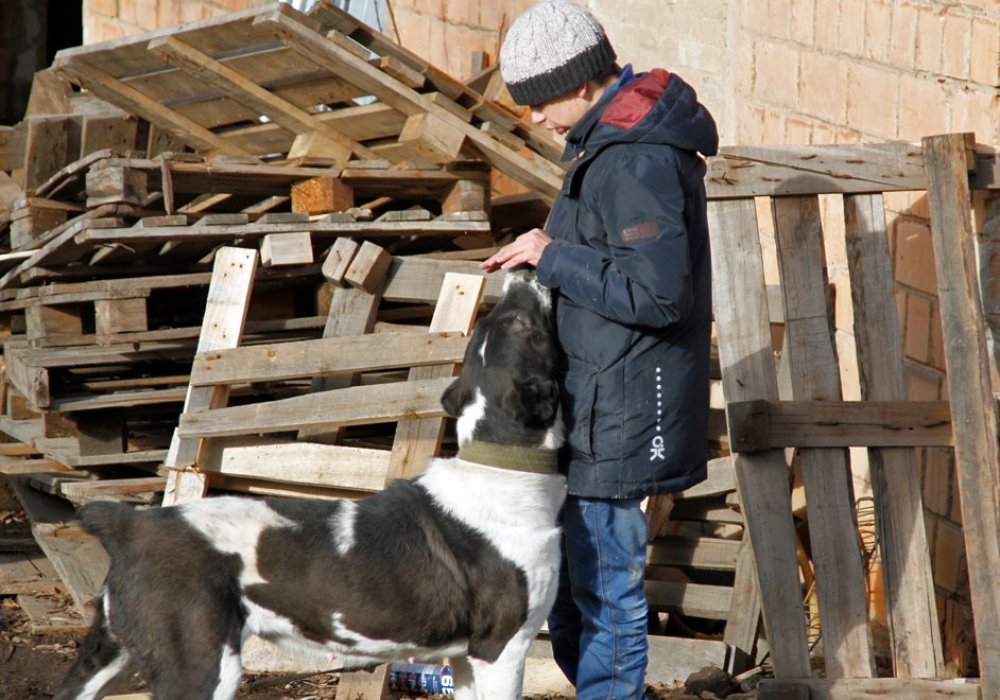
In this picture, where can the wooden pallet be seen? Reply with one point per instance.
(825, 425)
(209, 82)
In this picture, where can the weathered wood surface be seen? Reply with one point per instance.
(862, 688)
(349, 353)
(746, 358)
(970, 389)
(763, 425)
(225, 316)
(909, 585)
(815, 375)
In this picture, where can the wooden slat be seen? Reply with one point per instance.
(753, 171)
(694, 599)
(225, 316)
(78, 558)
(299, 463)
(351, 353)
(745, 354)
(909, 584)
(970, 389)
(352, 311)
(874, 688)
(701, 552)
(356, 405)
(815, 376)
(763, 425)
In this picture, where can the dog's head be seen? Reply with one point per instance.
(508, 391)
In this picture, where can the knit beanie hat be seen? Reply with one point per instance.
(552, 48)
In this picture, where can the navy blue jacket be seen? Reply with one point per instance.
(630, 264)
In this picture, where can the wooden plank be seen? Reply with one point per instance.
(969, 387)
(46, 148)
(346, 353)
(914, 631)
(26, 572)
(119, 488)
(282, 249)
(763, 425)
(78, 558)
(753, 171)
(299, 463)
(353, 309)
(815, 375)
(862, 688)
(745, 354)
(46, 615)
(356, 405)
(700, 552)
(225, 316)
(694, 599)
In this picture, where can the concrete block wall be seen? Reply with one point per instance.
(773, 72)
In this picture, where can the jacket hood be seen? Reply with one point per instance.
(655, 107)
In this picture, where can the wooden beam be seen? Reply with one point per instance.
(331, 355)
(225, 316)
(356, 405)
(970, 388)
(862, 688)
(766, 425)
(914, 631)
(812, 358)
(746, 357)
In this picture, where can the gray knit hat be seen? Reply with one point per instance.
(552, 48)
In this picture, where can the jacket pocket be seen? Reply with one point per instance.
(579, 396)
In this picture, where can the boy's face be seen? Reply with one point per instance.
(561, 114)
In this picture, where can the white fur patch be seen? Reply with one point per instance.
(531, 281)
(473, 412)
(342, 524)
(102, 677)
(233, 525)
(482, 348)
(356, 651)
(230, 672)
(516, 511)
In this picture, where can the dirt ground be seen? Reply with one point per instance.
(32, 665)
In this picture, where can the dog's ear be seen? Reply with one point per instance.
(453, 398)
(534, 401)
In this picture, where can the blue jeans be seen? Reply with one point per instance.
(598, 623)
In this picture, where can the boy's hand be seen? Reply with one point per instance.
(526, 249)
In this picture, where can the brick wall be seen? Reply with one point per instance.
(773, 71)
(112, 19)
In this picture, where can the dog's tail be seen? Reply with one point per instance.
(110, 521)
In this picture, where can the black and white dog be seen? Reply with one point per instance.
(460, 562)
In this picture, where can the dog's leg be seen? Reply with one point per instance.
(101, 660)
(194, 679)
(465, 680)
(504, 678)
